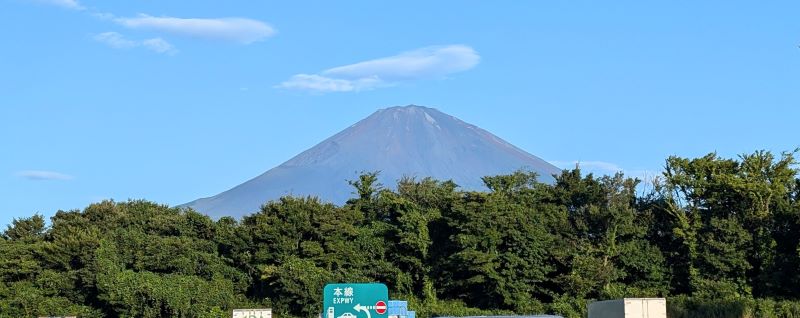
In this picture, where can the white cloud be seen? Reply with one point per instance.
(115, 40)
(118, 41)
(43, 175)
(425, 63)
(319, 83)
(429, 62)
(240, 30)
(600, 168)
(159, 45)
(68, 4)
(103, 15)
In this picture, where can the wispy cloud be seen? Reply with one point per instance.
(320, 83)
(43, 175)
(602, 168)
(68, 4)
(115, 40)
(159, 45)
(232, 29)
(425, 63)
(118, 41)
(608, 168)
(239, 30)
(428, 62)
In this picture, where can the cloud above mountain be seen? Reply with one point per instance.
(229, 29)
(433, 62)
(43, 175)
(118, 41)
(68, 4)
(238, 30)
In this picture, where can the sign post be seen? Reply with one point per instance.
(355, 301)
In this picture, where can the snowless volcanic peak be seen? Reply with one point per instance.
(398, 141)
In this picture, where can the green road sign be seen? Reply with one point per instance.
(355, 301)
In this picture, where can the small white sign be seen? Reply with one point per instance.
(252, 313)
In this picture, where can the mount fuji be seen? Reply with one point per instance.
(412, 141)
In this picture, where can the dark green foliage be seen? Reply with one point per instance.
(684, 307)
(718, 237)
(501, 247)
(724, 214)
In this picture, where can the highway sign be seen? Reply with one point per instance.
(355, 300)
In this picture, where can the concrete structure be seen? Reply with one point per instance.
(252, 313)
(629, 308)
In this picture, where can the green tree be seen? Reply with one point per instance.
(501, 247)
(731, 205)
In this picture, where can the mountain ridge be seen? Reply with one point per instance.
(412, 140)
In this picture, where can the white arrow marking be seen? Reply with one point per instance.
(358, 307)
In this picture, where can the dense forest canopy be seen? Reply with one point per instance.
(718, 237)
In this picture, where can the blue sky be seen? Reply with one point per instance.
(175, 100)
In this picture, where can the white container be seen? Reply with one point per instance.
(252, 313)
(629, 308)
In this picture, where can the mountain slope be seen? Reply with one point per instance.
(399, 141)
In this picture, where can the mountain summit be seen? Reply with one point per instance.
(399, 141)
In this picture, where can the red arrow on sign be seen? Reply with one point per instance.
(380, 307)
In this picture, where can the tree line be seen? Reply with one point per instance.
(718, 237)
